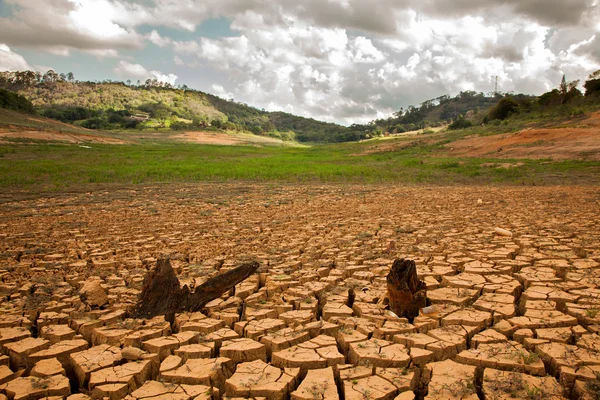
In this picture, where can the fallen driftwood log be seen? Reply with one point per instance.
(406, 293)
(162, 293)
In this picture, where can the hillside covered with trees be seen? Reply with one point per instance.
(15, 102)
(469, 108)
(442, 110)
(154, 105)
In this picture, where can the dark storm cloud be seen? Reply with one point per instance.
(60, 25)
(382, 16)
(369, 16)
(26, 35)
(509, 46)
(591, 47)
(546, 12)
(505, 52)
(554, 12)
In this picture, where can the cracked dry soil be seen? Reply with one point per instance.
(511, 315)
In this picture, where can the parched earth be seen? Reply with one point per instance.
(513, 277)
(9, 132)
(551, 143)
(225, 139)
(576, 141)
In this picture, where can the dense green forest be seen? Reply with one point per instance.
(15, 102)
(155, 105)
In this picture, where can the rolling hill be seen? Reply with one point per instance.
(157, 107)
(118, 106)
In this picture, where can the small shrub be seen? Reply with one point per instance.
(535, 393)
(530, 358)
(179, 126)
(592, 86)
(577, 112)
(592, 312)
(95, 123)
(594, 385)
(503, 109)
(460, 123)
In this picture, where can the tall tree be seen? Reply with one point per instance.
(50, 76)
(563, 85)
(564, 89)
(592, 85)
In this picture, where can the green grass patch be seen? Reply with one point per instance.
(55, 166)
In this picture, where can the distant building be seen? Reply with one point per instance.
(140, 117)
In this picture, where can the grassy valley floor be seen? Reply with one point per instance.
(46, 155)
(58, 166)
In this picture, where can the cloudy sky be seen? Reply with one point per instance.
(337, 60)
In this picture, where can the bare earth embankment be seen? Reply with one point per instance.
(17, 127)
(11, 133)
(225, 139)
(512, 316)
(8, 134)
(581, 142)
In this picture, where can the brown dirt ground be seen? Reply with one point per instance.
(517, 303)
(56, 122)
(577, 142)
(12, 132)
(581, 141)
(557, 144)
(226, 139)
(387, 145)
(216, 138)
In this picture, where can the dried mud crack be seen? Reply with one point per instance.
(506, 303)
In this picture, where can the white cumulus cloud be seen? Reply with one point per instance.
(338, 60)
(158, 40)
(339, 75)
(128, 70)
(11, 61)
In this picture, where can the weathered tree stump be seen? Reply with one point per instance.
(407, 294)
(162, 293)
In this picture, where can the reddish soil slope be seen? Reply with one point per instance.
(577, 142)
